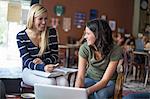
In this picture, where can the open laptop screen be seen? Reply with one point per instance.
(58, 92)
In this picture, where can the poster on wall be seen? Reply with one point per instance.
(54, 22)
(93, 14)
(79, 19)
(59, 10)
(121, 30)
(66, 24)
(14, 12)
(112, 25)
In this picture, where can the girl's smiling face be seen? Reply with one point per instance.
(40, 22)
(89, 36)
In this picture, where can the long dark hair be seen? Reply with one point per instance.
(103, 34)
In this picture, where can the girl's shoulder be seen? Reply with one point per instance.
(117, 49)
(52, 31)
(84, 46)
(21, 35)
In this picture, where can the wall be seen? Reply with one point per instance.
(119, 10)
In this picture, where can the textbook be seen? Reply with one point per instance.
(56, 72)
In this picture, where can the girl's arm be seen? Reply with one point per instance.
(106, 77)
(81, 72)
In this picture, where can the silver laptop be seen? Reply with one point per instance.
(43, 91)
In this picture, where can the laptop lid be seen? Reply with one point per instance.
(139, 45)
(43, 91)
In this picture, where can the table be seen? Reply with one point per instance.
(146, 53)
(68, 47)
(148, 66)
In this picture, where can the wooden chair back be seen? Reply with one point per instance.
(120, 80)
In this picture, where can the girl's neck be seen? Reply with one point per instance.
(97, 54)
(34, 33)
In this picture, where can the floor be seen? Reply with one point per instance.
(134, 86)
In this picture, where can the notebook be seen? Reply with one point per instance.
(56, 72)
(43, 91)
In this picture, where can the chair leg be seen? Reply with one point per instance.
(126, 72)
(134, 73)
(130, 69)
(146, 78)
(26, 88)
(71, 79)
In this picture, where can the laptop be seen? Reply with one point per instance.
(43, 91)
(139, 45)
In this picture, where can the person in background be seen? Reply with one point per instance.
(139, 46)
(120, 39)
(146, 42)
(98, 60)
(147, 30)
(114, 36)
(130, 42)
(147, 45)
(38, 48)
(139, 42)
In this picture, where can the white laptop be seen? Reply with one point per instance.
(43, 91)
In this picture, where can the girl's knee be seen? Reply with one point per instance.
(62, 81)
(50, 81)
(102, 95)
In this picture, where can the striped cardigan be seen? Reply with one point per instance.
(28, 51)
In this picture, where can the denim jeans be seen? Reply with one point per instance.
(104, 93)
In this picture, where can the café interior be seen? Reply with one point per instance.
(130, 18)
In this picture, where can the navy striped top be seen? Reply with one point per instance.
(28, 51)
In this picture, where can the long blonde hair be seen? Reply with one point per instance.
(37, 10)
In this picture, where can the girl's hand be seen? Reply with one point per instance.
(37, 61)
(56, 65)
(87, 91)
(79, 83)
(49, 68)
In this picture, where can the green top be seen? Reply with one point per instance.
(96, 68)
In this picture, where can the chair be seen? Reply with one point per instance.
(120, 80)
(26, 88)
(130, 64)
(71, 79)
(147, 67)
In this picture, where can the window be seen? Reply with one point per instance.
(9, 53)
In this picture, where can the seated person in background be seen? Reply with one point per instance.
(139, 46)
(98, 60)
(146, 42)
(147, 45)
(38, 48)
(120, 39)
(139, 43)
